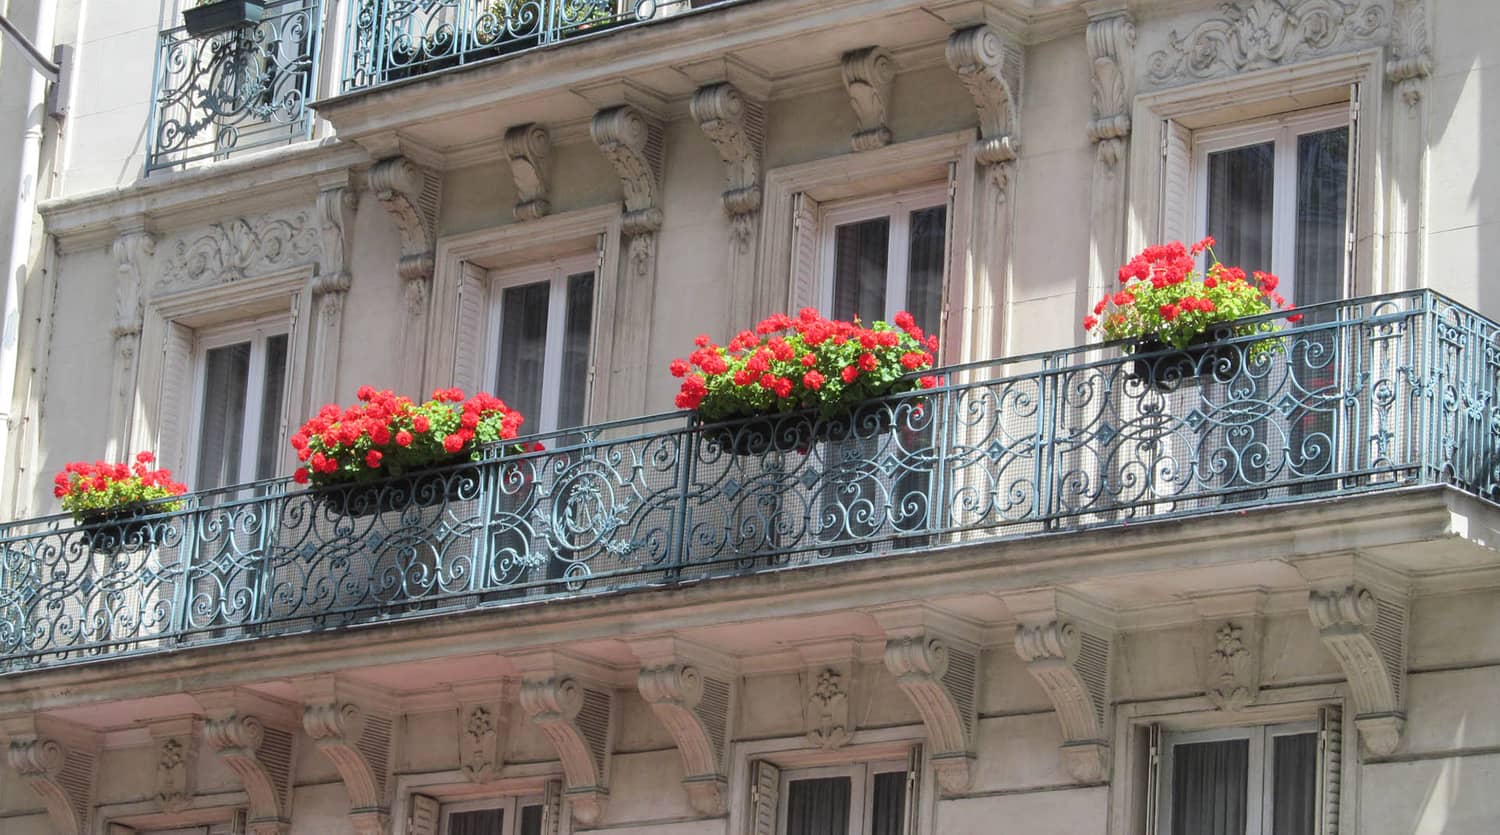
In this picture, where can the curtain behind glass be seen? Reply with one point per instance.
(1241, 182)
(1209, 785)
(523, 348)
(578, 327)
(818, 807)
(924, 270)
(888, 806)
(221, 427)
(861, 257)
(1295, 784)
(1322, 192)
(531, 821)
(482, 822)
(270, 408)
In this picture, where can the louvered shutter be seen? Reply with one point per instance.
(470, 329)
(425, 815)
(1330, 768)
(175, 397)
(765, 796)
(914, 761)
(804, 279)
(1176, 188)
(1153, 780)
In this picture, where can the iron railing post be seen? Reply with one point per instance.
(944, 427)
(1047, 380)
(686, 467)
(186, 559)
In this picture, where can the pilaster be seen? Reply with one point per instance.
(337, 201)
(134, 247)
(1111, 44)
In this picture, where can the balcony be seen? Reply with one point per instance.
(237, 90)
(1372, 394)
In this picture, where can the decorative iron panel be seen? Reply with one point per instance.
(233, 91)
(1367, 394)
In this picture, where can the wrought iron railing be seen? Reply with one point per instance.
(236, 90)
(388, 40)
(1369, 394)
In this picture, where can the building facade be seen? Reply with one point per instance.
(1052, 595)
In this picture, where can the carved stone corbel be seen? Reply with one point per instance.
(1411, 62)
(1111, 44)
(336, 206)
(254, 735)
(935, 660)
(1367, 635)
(352, 727)
(58, 762)
(578, 718)
(412, 194)
(736, 127)
(483, 722)
(134, 248)
(529, 149)
(176, 743)
(691, 691)
(868, 76)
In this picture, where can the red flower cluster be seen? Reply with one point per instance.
(787, 363)
(386, 434)
(100, 487)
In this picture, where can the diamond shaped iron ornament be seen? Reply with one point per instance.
(1194, 419)
(811, 477)
(730, 489)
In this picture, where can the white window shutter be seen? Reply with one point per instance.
(765, 797)
(805, 279)
(1351, 207)
(1176, 185)
(175, 397)
(1153, 780)
(425, 816)
(913, 790)
(1330, 768)
(469, 330)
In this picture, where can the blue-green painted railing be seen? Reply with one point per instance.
(1369, 394)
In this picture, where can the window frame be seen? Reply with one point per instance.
(861, 776)
(1283, 130)
(511, 804)
(556, 271)
(257, 332)
(1260, 793)
(897, 207)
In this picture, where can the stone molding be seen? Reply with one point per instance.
(868, 77)
(254, 735)
(177, 742)
(1111, 43)
(578, 719)
(528, 147)
(989, 66)
(1253, 34)
(1411, 62)
(58, 762)
(736, 127)
(1367, 635)
(937, 667)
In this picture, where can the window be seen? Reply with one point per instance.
(242, 391)
(862, 799)
(541, 335)
(1241, 781)
(490, 817)
(886, 254)
(1275, 195)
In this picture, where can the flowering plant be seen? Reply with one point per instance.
(387, 435)
(98, 489)
(1163, 298)
(806, 362)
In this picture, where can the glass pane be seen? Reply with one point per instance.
(221, 427)
(1322, 183)
(531, 820)
(1294, 795)
(888, 807)
(578, 327)
(482, 822)
(924, 269)
(1240, 186)
(523, 349)
(860, 256)
(1209, 785)
(270, 408)
(818, 807)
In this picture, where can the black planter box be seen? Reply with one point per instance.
(1202, 356)
(421, 489)
(798, 433)
(120, 529)
(222, 16)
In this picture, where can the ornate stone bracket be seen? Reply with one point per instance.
(736, 126)
(529, 148)
(1367, 634)
(411, 193)
(693, 704)
(483, 722)
(134, 248)
(1411, 62)
(177, 743)
(990, 68)
(868, 76)
(352, 727)
(58, 763)
(254, 735)
(1111, 43)
(937, 666)
(336, 206)
(578, 719)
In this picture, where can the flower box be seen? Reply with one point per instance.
(107, 500)
(125, 528)
(799, 432)
(221, 16)
(1162, 367)
(423, 489)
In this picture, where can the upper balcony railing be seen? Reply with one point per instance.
(389, 40)
(243, 88)
(1368, 394)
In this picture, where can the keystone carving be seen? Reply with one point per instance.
(176, 762)
(940, 676)
(578, 722)
(262, 757)
(1410, 60)
(1252, 34)
(483, 721)
(633, 144)
(1072, 666)
(868, 76)
(1367, 635)
(675, 693)
(61, 772)
(990, 69)
(529, 148)
(1234, 676)
(827, 709)
(736, 127)
(1111, 43)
